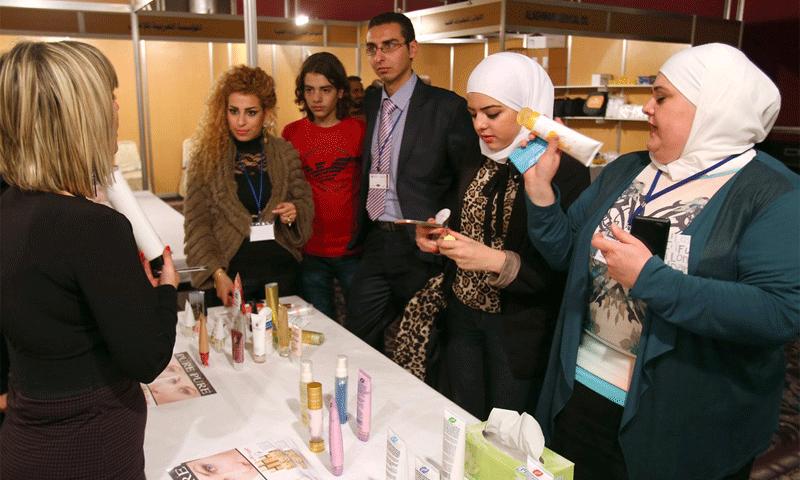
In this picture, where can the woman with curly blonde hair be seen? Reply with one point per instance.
(248, 206)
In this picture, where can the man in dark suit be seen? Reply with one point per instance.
(418, 138)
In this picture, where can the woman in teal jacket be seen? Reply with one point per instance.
(673, 367)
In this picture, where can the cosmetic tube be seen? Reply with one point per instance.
(283, 331)
(258, 321)
(188, 320)
(396, 457)
(297, 341)
(335, 440)
(425, 471)
(238, 325)
(218, 335)
(341, 387)
(454, 446)
(315, 443)
(268, 328)
(364, 412)
(306, 377)
(122, 199)
(574, 144)
(203, 341)
(313, 338)
(271, 297)
(300, 310)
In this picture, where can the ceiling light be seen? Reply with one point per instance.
(300, 20)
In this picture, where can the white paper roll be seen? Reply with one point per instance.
(121, 197)
(574, 144)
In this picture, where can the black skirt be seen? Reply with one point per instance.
(97, 435)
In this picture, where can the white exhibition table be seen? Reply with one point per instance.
(261, 402)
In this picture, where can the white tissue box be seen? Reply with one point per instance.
(485, 460)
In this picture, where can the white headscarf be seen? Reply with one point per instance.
(517, 82)
(737, 104)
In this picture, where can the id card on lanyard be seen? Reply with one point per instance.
(260, 231)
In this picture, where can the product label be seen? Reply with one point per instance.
(237, 344)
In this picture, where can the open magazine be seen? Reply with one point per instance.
(270, 460)
(181, 380)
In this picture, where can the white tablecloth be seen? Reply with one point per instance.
(261, 402)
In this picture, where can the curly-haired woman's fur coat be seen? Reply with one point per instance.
(216, 222)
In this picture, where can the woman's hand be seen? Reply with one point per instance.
(224, 287)
(426, 237)
(471, 255)
(626, 258)
(538, 178)
(168, 276)
(287, 212)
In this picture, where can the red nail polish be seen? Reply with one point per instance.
(141, 256)
(169, 249)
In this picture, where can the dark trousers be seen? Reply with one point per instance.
(586, 433)
(477, 367)
(317, 277)
(388, 275)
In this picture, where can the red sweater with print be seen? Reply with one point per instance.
(332, 163)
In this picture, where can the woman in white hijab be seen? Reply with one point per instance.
(502, 299)
(675, 368)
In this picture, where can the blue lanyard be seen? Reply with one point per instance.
(252, 188)
(389, 137)
(651, 196)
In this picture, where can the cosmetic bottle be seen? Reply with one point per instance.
(341, 387)
(315, 443)
(188, 321)
(238, 325)
(258, 322)
(306, 377)
(218, 335)
(284, 334)
(197, 299)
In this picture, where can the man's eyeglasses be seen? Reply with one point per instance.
(371, 50)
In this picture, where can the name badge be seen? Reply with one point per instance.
(260, 231)
(677, 255)
(379, 181)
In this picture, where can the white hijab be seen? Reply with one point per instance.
(737, 104)
(517, 82)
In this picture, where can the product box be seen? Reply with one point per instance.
(485, 460)
(600, 79)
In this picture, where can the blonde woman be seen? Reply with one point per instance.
(84, 319)
(248, 206)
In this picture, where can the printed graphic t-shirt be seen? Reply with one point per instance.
(332, 163)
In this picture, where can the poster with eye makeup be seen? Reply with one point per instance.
(181, 380)
(269, 459)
